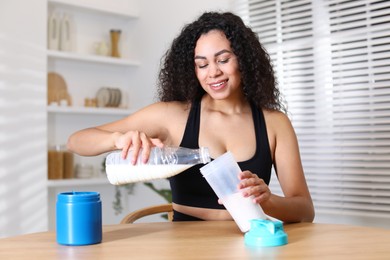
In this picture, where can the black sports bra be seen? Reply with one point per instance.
(191, 189)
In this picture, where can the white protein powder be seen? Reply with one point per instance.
(242, 210)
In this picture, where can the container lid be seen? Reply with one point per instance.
(78, 196)
(264, 233)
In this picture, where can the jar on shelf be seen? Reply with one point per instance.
(115, 35)
(84, 171)
(60, 163)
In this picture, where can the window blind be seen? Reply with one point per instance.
(332, 61)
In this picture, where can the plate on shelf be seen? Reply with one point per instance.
(103, 97)
(108, 97)
(119, 100)
(113, 97)
(118, 95)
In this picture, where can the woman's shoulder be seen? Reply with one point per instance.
(165, 111)
(276, 120)
(158, 116)
(173, 106)
(271, 114)
(167, 106)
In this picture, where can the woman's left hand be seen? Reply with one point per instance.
(251, 184)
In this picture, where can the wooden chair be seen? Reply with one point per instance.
(163, 208)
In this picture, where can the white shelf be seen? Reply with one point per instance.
(90, 58)
(84, 6)
(77, 182)
(88, 110)
(82, 67)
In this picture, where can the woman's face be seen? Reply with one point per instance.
(216, 65)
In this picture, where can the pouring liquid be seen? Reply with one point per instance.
(126, 173)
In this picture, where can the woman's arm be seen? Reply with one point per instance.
(92, 141)
(296, 205)
(144, 128)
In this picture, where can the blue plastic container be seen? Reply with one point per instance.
(78, 218)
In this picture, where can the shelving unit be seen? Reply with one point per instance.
(98, 8)
(88, 58)
(85, 72)
(77, 182)
(88, 111)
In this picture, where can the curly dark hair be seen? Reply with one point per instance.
(177, 78)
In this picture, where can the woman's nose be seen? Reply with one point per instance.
(214, 70)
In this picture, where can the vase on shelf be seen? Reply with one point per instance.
(66, 28)
(54, 32)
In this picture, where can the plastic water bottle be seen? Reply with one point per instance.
(163, 163)
(165, 155)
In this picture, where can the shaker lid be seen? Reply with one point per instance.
(264, 233)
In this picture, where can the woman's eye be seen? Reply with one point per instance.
(201, 66)
(224, 61)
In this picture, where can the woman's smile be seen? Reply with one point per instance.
(218, 85)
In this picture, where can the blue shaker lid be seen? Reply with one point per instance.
(265, 233)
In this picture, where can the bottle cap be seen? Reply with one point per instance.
(205, 154)
(264, 233)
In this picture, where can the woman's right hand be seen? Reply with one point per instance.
(136, 140)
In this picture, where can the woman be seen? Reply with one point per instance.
(217, 89)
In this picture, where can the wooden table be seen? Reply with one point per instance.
(205, 240)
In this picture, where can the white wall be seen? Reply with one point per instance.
(23, 119)
(23, 195)
(159, 23)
